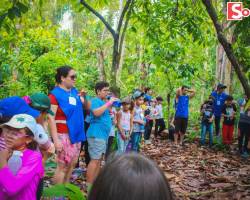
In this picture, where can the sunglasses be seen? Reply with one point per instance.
(73, 77)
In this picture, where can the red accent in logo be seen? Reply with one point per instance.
(235, 11)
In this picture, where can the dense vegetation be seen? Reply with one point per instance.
(166, 44)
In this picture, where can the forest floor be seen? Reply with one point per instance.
(201, 173)
(193, 172)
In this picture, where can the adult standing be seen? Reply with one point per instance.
(68, 108)
(220, 97)
(182, 111)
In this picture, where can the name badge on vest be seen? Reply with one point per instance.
(72, 101)
(218, 102)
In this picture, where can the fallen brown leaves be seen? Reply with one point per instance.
(201, 173)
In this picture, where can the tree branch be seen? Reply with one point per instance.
(126, 7)
(227, 46)
(125, 26)
(111, 30)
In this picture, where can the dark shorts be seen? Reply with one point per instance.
(181, 125)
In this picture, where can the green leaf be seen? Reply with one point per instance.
(23, 8)
(64, 190)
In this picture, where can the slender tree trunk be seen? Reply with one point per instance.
(227, 47)
(100, 58)
(224, 66)
(118, 36)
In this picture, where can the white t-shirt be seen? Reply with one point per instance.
(159, 111)
(112, 131)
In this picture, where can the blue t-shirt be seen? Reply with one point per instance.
(219, 101)
(182, 106)
(99, 126)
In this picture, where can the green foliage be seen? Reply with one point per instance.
(167, 44)
(68, 190)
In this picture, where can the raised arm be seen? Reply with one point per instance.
(192, 93)
(99, 111)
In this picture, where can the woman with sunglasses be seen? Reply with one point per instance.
(68, 108)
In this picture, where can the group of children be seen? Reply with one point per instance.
(228, 115)
(134, 118)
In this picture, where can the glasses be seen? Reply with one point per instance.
(73, 77)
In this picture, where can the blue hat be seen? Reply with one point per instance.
(221, 86)
(137, 94)
(15, 105)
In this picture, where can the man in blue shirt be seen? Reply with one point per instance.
(220, 97)
(99, 129)
(182, 111)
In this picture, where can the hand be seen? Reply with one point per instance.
(172, 125)
(113, 99)
(123, 136)
(58, 146)
(82, 93)
(210, 120)
(4, 157)
(128, 137)
(141, 122)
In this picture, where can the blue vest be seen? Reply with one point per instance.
(219, 101)
(182, 107)
(74, 113)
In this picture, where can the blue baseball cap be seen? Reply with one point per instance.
(16, 105)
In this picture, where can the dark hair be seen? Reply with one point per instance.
(159, 98)
(146, 99)
(147, 89)
(211, 97)
(184, 87)
(62, 71)
(229, 98)
(33, 145)
(100, 85)
(130, 176)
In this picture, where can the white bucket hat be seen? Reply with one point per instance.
(23, 120)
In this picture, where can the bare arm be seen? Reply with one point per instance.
(192, 93)
(99, 111)
(53, 130)
(131, 124)
(119, 115)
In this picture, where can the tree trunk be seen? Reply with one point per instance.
(227, 47)
(101, 69)
(118, 36)
(224, 67)
(119, 70)
(115, 63)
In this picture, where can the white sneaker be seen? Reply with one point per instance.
(147, 142)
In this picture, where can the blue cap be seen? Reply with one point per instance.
(221, 86)
(15, 105)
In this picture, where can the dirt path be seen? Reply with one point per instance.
(201, 173)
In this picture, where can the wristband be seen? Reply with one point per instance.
(108, 104)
